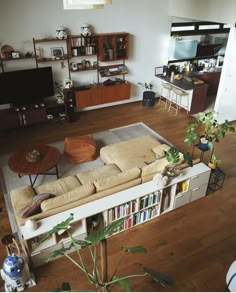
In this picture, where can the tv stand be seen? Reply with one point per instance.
(16, 117)
(9, 119)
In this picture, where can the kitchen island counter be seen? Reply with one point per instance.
(183, 84)
(197, 92)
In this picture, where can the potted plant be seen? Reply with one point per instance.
(148, 94)
(173, 156)
(214, 161)
(100, 278)
(60, 93)
(207, 129)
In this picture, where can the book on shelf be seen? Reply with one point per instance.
(122, 211)
(157, 196)
(150, 199)
(128, 222)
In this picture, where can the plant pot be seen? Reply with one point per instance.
(203, 144)
(212, 165)
(148, 98)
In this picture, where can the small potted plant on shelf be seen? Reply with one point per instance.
(214, 161)
(173, 156)
(148, 94)
(60, 93)
(99, 278)
(207, 130)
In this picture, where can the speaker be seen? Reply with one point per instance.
(70, 104)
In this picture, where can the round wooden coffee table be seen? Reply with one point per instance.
(49, 158)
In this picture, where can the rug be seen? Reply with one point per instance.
(10, 180)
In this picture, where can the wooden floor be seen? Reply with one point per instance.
(194, 244)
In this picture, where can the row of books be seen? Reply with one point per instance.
(84, 51)
(80, 42)
(139, 217)
(146, 214)
(122, 211)
(150, 199)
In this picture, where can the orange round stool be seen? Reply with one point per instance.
(80, 148)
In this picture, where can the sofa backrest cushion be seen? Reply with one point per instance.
(153, 168)
(21, 197)
(130, 153)
(100, 172)
(59, 186)
(68, 197)
(160, 150)
(114, 180)
(156, 167)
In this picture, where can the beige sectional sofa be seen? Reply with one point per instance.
(127, 164)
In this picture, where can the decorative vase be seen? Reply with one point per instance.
(31, 225)
(33, 156)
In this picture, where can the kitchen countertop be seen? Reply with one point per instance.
(182, 84)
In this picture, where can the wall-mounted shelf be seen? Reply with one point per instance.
(113, 70)
(51, 60)
(85, 54)
(17, 59)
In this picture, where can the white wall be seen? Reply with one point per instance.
(219, 11)
(147, 22)
(207, 10)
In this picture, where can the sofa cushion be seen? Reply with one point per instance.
(68, 197)
(59, 186)
(130, 153)
(114, 180)
(155, 167)
(160, 150)
(34, 207)
(101, 172)
(21, 197)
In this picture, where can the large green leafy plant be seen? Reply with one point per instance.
(207, 126)
(92, 240)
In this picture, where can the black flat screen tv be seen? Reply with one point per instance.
(26, 87)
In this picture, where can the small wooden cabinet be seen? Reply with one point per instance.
(89, 97)
(117, 92)
(102, 95)
(213, 80)
(113, 46)
(9, 119)
(34, 116)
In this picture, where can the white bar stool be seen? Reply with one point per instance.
(176, 101)
(166, 89)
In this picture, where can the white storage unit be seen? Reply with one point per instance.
(135, 205)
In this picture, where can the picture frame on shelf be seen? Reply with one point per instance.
(15, 54)
(57, 52)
